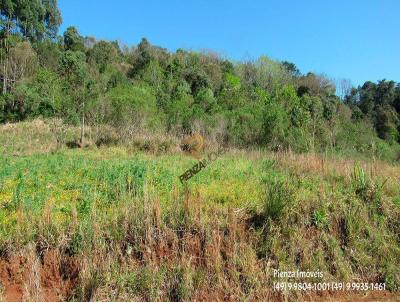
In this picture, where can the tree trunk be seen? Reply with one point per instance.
(5, 66)
(4, 78)
(83, 126)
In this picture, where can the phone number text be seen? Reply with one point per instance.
(331, 286)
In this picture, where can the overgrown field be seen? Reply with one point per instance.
(116, 224)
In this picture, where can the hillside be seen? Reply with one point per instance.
(147, 90)
(149, 172)
(115, 223)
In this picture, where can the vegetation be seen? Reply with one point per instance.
(119, 226)
(147, 89)
(91, 206)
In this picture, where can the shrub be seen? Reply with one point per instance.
(134, 109)
(279, 195)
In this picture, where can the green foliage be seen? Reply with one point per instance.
(379, 102)
(44, 95)
(291, 68)
(110, 202)
(246, 123)
(141, 57)
(265, 103)
(35, 20)
(367, 190)
(134, 106)
(276, 123)
(99, 201)
(178, 113)
(72, 66)
(102, 54)
(279, 196)
(49, 53)
(73, 40)
(320, 219)
(206, 101)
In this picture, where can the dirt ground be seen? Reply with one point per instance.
(49, 278)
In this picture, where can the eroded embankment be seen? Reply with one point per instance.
(32, 276)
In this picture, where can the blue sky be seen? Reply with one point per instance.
(356, 40)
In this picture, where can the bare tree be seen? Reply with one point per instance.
(18, 63)
(343, 87)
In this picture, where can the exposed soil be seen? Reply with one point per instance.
(52, 276)
(59, 276)
(19, 277)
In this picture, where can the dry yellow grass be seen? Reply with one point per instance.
(189, 245)
(320, 165)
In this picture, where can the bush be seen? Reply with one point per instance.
(279, 195)
(133, 110)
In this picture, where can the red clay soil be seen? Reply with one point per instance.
(58, 277)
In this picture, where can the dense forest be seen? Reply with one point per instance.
(146, 89)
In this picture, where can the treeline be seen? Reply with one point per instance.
(260, 103)
(380, 103)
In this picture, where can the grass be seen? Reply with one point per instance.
(82, 179)
(136, 233)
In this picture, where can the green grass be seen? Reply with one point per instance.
(134, 227)
(81, 179)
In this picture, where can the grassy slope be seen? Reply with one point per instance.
(135, 232)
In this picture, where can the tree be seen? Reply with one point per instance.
(270, 74)
(21, 63)
(264, 73)
(47, 87)
(247, 73)
(386, 124)
(396, 101)
(315, 107)
(102, 54)
(380, 102)
(246, 122)
(275, 124)
(134, 109)
(385, 93)
(231, 95)
(291, 69)
(41, 97)
(49, 53)
(35, 20)
(344, 88)
(73, 40)
(318, 85)
(73, 68)
(352, 97)
(141, 57)
(206, 101)
(367, 97)
(196, 77)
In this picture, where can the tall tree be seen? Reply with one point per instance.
(35, 20)
(291, 68)
(74, 69)
(73, 40)
(102, 54)
(343, 88)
